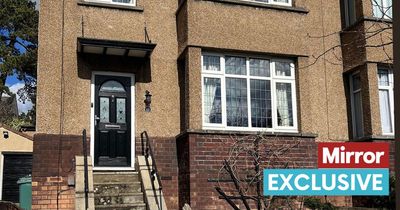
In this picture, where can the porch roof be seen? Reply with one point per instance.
(114, 47)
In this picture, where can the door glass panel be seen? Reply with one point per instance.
(104, 109)
(113, 86)
(121, 110)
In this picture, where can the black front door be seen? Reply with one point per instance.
(112, 121)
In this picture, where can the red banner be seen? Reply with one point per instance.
(353, 155)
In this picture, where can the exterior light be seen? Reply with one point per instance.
(5, 134)
(147, 101)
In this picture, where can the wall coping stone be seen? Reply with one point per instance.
(220, 132)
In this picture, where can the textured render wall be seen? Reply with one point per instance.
(105, 23)
(200, 157)
(53, 161)
(49, 65)
(212, 24)
(266, 31)
(372, 71)
(193, 92)
(379, 47)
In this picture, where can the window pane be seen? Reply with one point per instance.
(356, 82)
(378, 9)
(122, 1)
(386, 117)
(121, 113)
(112, 86)
(284, 104)
(211, 63)
(212, 100)
(388, 8)
(358, 114)
(260, 96)
(259, 67)
(282, 69)
(104, 109)
(383, 77)
(235, 65)
(265, 1)
(236, 102)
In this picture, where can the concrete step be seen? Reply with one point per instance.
(117, 187)
(137, 206)
(118, 198)
(120, 176)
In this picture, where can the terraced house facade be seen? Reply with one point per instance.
(193, 74)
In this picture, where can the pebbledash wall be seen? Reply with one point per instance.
(187, 155)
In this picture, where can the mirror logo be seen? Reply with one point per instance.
(343, 169)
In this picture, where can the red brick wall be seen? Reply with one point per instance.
(166, 160)
(200, 157)
(49, 178)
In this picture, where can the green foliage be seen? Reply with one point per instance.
(18, 46)
(315, 203)
(17, 122)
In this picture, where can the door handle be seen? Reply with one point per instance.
(96, 120)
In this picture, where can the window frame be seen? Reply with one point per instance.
(353, 113)
(390, 88)
(350, 13)
(270, 2)
(273, 80)
(133, 3)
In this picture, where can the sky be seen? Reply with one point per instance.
(14, 85)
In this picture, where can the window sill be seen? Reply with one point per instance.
(375, 138)
(373, 19)
(261, 5)
(225, 132)
(112, 6)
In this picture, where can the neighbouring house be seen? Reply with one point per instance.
(15, 161)
(193, 73)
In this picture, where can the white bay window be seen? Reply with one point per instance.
(248, 93)
(385, 83)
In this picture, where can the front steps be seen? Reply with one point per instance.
(118, 191)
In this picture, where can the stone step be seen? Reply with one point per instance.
(118, 198)
(106, 177)
(117, 187)
(136, 206)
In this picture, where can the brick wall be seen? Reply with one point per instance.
(49, 175)
(166, 159)
(200, 158)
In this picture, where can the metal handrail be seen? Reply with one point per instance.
(148, 151)
(85, 165)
